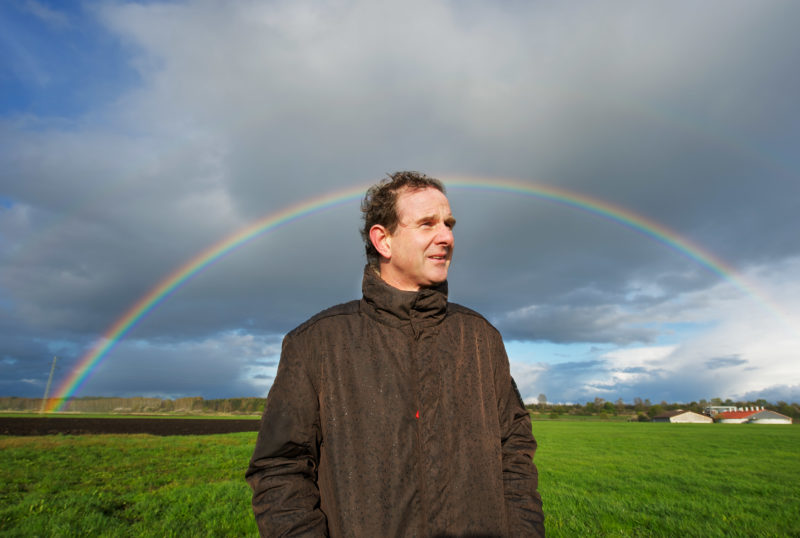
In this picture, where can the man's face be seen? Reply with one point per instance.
(422, 245)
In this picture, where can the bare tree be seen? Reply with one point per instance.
(542, 399)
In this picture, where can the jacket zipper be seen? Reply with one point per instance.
(416, 362)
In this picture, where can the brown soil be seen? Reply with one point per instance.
(154, 426)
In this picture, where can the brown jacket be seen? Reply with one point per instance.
(391, 416)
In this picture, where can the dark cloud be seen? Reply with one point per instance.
(568, 323)
(724, 362)
(242, 120)
(775, 393)
(218, 367)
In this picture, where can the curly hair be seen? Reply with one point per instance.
(379, 205)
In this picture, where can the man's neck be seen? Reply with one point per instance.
(387, 275)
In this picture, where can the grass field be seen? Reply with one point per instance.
(645, 479)
(596, 479)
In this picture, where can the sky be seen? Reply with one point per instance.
(136, 135)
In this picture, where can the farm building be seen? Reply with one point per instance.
(712, 410)
(753, 416)
(735, 417)
(765, 416)
(684, 417)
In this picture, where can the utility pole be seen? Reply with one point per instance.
(47, 388)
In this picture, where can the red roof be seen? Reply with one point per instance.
(737, 414)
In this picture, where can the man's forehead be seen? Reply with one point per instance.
(420, 201)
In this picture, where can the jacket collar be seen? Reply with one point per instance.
(423, 308)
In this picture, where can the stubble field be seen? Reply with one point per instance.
(596, 479)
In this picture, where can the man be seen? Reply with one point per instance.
(396, 415)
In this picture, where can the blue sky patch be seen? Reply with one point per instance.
(57, 60)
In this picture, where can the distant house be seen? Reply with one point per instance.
(683, 417)
(753, 415)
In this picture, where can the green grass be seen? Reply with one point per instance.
(116, 485)
(596, 479)
(611, 479)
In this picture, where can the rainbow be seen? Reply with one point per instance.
(89, 361)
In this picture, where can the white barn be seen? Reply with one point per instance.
(683, 417)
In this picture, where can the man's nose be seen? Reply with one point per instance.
(445, 235)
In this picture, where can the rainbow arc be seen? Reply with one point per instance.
(180, 276)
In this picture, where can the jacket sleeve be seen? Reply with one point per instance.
(520, 477)
(283, 469)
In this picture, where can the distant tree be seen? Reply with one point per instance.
(789, 410)
(542, 399)
(256, 405)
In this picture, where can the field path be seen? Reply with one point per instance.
(154, 426)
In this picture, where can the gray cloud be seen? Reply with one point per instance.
(216, 367)
(569, 323)
(259, 106)
(724, 362)
(776, 393)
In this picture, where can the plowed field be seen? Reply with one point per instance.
(91, 426)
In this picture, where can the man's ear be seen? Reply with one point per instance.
(381, 240)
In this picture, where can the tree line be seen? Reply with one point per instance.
(639, 409)
(96, 404)
(644, 410)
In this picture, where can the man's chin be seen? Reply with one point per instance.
(436, 280)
